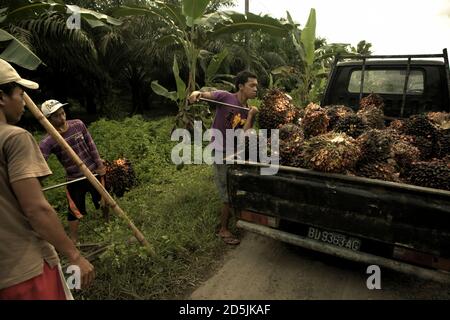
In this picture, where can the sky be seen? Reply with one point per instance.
(392, 26)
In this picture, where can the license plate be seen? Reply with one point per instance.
(334, 238)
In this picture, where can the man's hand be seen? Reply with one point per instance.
(86, 269)
(101, 171)
(253, 111)
(195, 97)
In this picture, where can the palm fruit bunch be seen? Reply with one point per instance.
(444, 144)
(372, 99)
(371, 111)
(291, 131)
(276, 110)
(426, 135)
(372, 116)
(403, 151)
(315, 121)
(446, 159)
(336, 113)
(397, 125)
(425, 147)
(291, 153)
(120, 176)
(375, 145)
(442, 121)
(351, 125)
(386, 171)
(291, 145)
(376, 152)
(331, 152)
(439, 118)
(420, 125)
(430, 174)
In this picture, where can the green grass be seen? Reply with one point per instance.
(177, 211)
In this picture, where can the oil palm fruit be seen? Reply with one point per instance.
(276, 110)
(431, 174)
(331, 152)
(336, 113)
(315, 121)
(351, 125)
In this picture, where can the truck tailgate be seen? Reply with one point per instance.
(391, 213)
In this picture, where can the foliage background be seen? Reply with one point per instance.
(177, 210)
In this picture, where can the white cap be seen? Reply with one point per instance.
(9, 74)
(51, 106)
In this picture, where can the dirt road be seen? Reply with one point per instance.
(262, 268)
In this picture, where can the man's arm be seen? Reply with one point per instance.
(45, 147)
(251, 118)
(101, 170)
(196, 95)
(45, 222)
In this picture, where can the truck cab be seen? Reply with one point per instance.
(408, 84)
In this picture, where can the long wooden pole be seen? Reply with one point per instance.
(88, 174)
(224, 104)
(65, 183)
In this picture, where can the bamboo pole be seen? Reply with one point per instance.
(88, 174)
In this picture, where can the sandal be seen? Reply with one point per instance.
(231, 240)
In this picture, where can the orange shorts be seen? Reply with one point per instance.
(46, 286)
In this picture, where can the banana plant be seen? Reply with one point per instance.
(304, 42)
(315, 57)
(214, 79)
(185, 118)
(177, 96)
(190, 27)
(17, 52)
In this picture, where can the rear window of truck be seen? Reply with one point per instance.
(387, 81)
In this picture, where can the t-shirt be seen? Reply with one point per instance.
(227, 117)
(81, 142)
(22, 251)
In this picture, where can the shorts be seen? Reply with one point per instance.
(220, 179)
(76, 196)
(49, 285)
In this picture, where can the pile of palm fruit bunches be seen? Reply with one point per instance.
(336, 139)
(120, 176)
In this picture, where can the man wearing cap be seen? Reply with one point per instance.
(79, 139)
(29, 227)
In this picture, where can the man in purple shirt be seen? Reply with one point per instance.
(79, 139)
(230, 118)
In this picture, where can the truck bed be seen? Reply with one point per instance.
(386, 212)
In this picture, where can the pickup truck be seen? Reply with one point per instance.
(392, 225)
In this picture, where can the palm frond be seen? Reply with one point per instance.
(51, 35)
(23, 35)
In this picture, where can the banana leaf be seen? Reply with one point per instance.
(17, 53)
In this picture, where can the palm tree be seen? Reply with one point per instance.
(363, 48)
(189, 27)
(133, 55)
(17, 39)
(71, 64)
